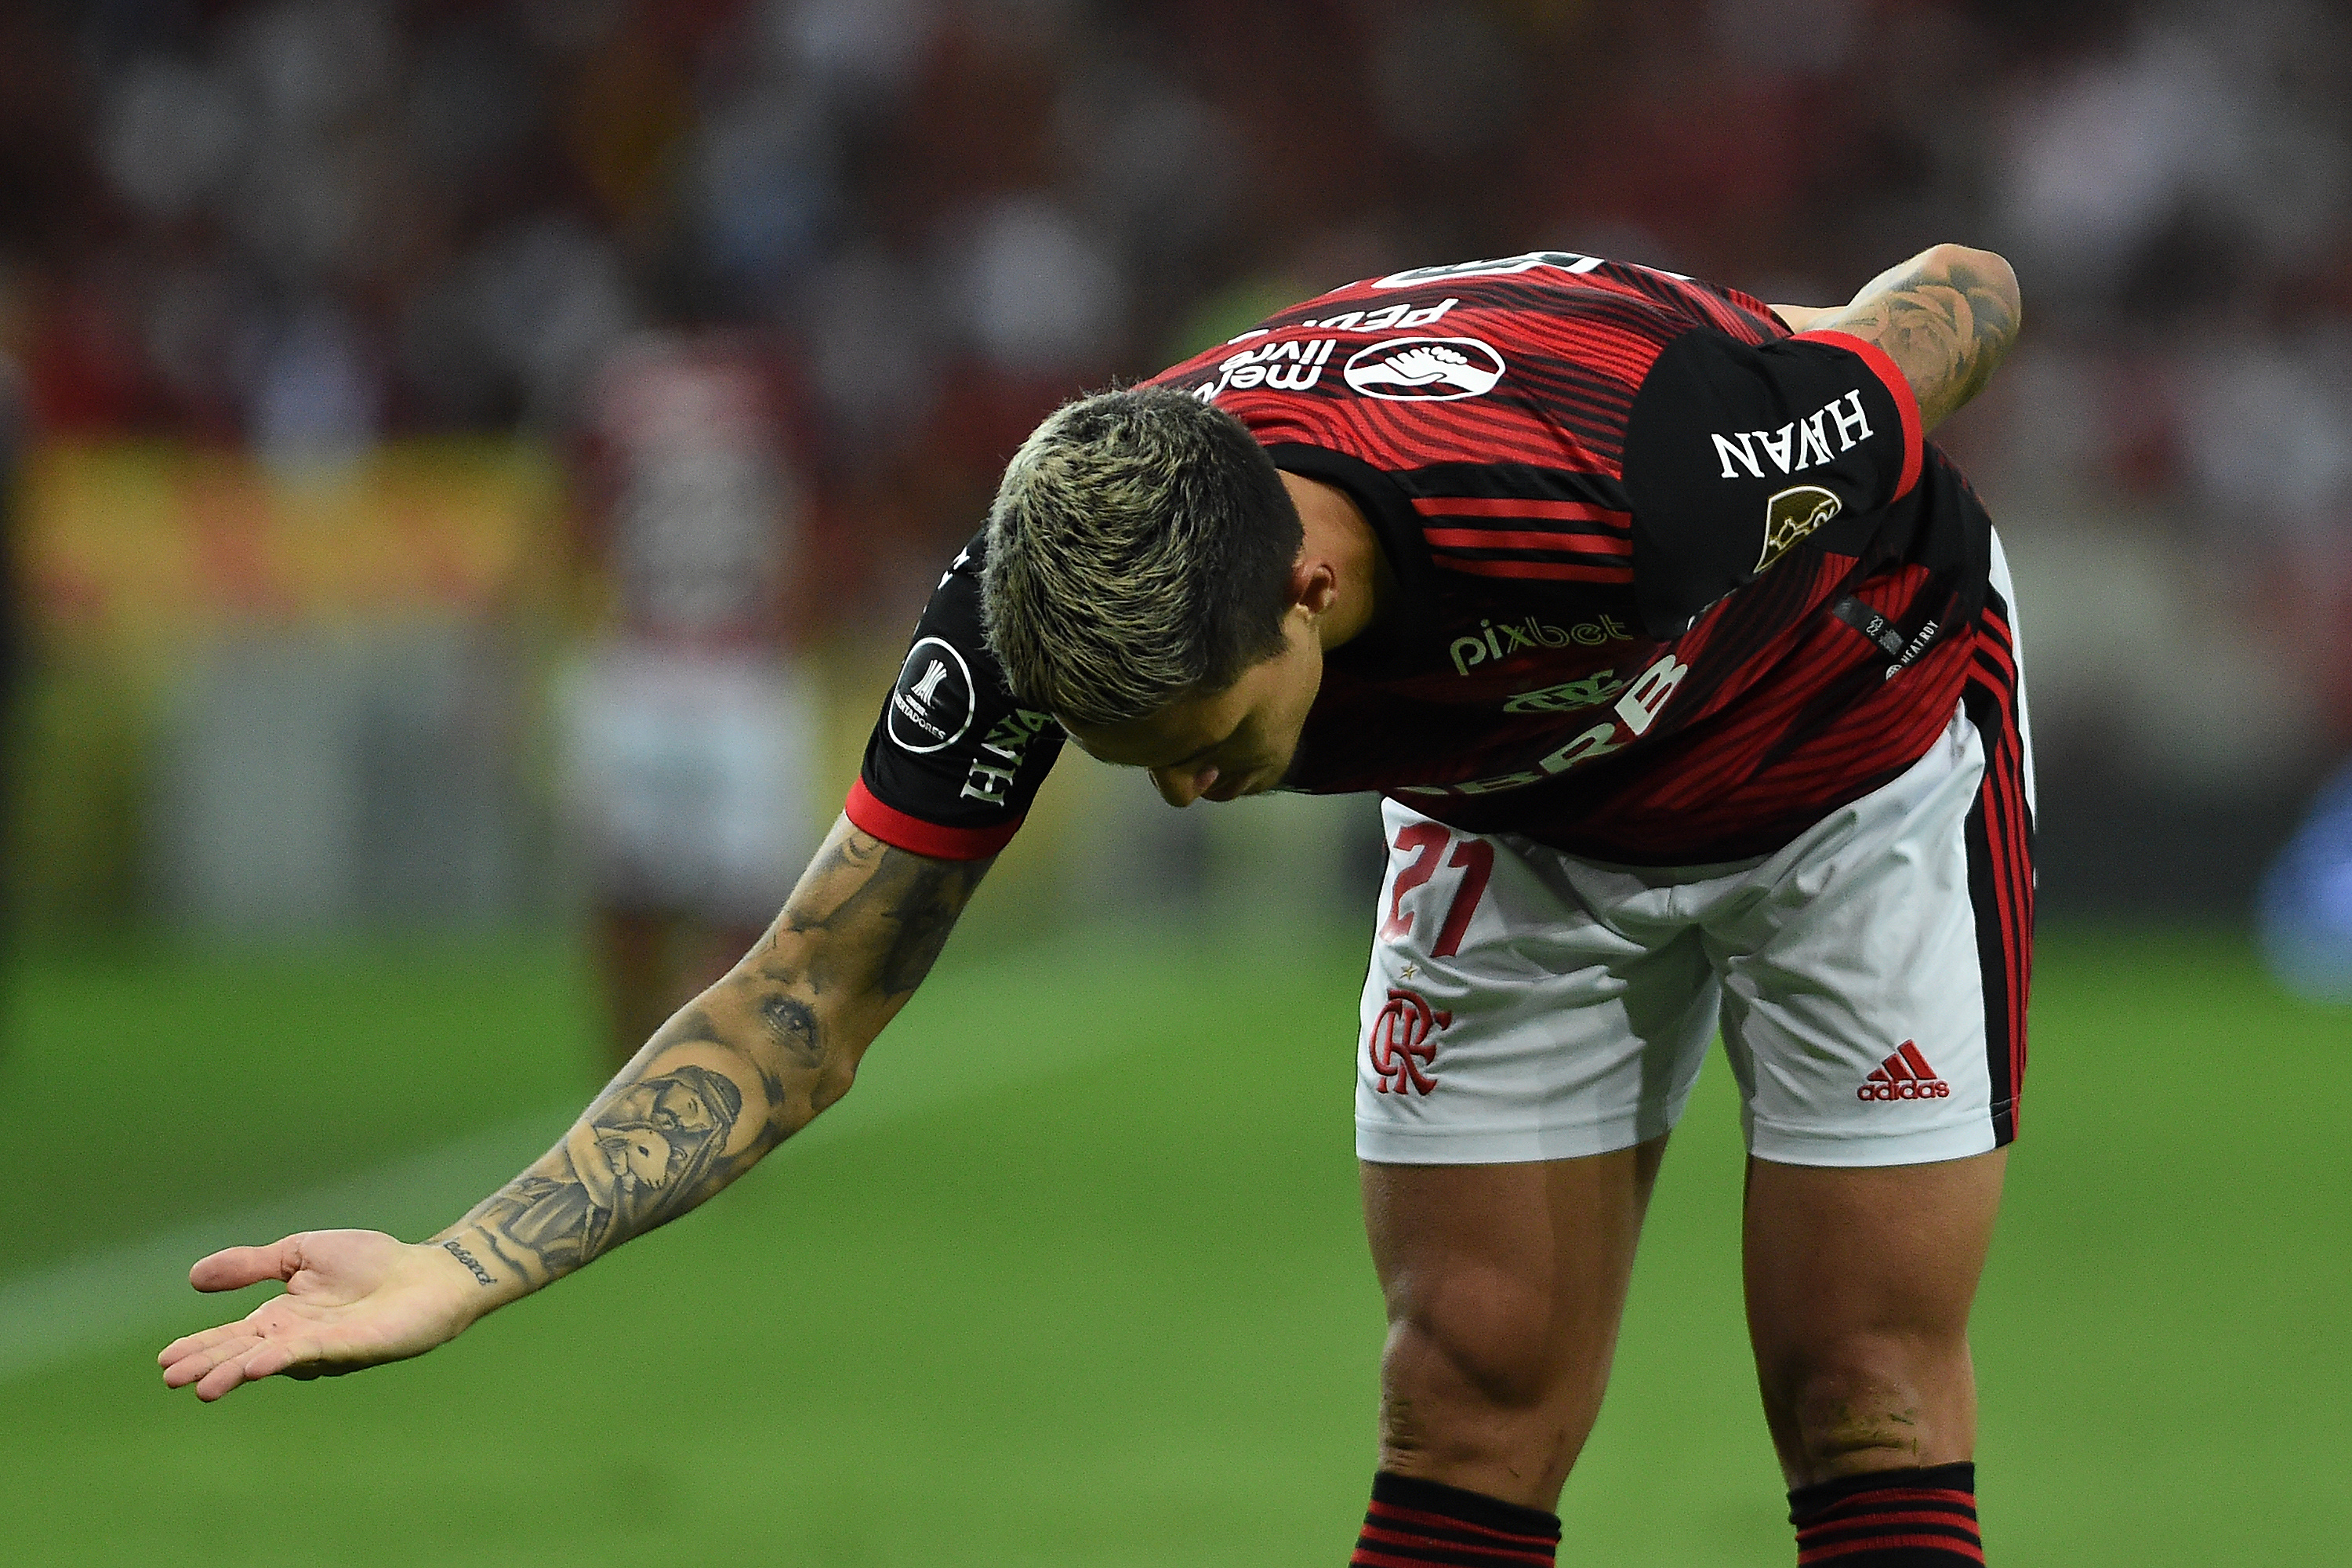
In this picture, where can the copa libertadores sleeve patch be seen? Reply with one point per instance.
(954, 761)
(1736, 453)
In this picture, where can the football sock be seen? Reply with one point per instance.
(1889, 1519)
(1413, 1522)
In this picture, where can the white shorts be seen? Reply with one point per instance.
(686, 779)
(1869, 979)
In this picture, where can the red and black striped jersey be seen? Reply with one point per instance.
(1674, 583)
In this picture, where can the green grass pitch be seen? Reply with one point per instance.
(1076, 1278)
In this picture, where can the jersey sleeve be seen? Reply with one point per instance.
(954, 761)
(1736, 452)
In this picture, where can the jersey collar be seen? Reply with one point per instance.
(1398, 532)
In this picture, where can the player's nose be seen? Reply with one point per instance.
(1182, 786)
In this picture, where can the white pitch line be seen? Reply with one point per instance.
(107, 1298)
(111, 1298)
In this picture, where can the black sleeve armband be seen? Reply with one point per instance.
(1736, 452)
(954, 761)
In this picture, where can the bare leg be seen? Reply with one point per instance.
(654, 962)
(1859, 1283)
(633, 957)
(710, 949)
(1503, 1285)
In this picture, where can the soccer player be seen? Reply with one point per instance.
(1689, 675)
(686, 727)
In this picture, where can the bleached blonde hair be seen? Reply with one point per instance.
(1138, 552)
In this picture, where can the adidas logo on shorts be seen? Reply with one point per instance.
(1906, 1075)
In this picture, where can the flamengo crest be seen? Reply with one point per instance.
(1400, 1046)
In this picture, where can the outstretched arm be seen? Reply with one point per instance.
(1946, 316)
(736, 1072)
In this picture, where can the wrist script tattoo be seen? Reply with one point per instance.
(734, 1075)
(470, 1261)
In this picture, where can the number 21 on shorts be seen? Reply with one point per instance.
(1426, 842)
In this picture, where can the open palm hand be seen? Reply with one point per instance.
(354, 1299)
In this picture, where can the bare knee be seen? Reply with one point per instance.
(1477, 1389)
(1472, 1347)
(1872, 1407)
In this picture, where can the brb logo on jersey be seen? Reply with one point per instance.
(1400, 1045)
(930, 708)
(1403, 369)
(1567, 697)
(1636, 712)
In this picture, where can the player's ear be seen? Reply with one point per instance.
(1313, 583)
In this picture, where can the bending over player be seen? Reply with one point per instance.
(1688, 674)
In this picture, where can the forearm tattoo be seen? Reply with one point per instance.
(792, 1023)
(1946, 327)
(652, 1148)
(706, 1100)
(900, 907)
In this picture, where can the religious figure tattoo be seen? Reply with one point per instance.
(855, 938)
(641, 1157)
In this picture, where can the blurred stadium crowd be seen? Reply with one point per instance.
(305, 227)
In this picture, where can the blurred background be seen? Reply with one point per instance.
(305, 308)
(410, 411)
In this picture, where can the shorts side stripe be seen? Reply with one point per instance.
(2020, 845)
(2000, 844)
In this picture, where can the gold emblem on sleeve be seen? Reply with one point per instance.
(1791, 515)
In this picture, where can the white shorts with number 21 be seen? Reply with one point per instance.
(1869, 979)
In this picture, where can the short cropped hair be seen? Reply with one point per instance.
(1139, 551)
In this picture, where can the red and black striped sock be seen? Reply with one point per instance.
(1889, 1519)
(1413, 1523)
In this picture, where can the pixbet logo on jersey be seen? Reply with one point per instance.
(1400, 1044)
(1492, 641)
(1574, 261)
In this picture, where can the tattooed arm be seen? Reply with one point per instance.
(740, 1070)
(1946, 316)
